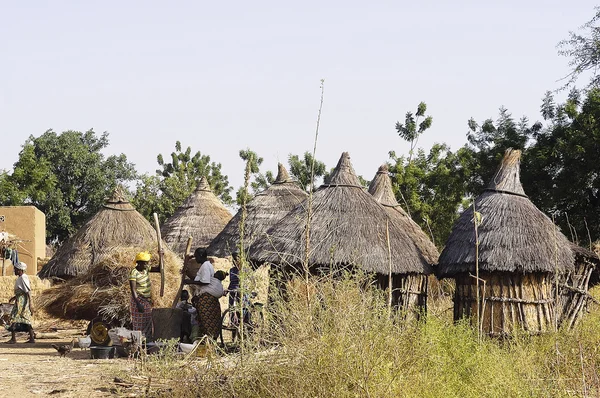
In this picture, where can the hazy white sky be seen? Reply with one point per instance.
(225, 76)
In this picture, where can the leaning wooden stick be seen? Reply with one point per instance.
(188, 248)
(160, 256)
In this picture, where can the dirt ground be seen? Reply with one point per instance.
(36, 370)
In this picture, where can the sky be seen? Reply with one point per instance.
(221, 77)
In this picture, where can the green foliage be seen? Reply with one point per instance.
(300, 168)
(488, 142)
(176, 180)
(562, 172)
(66, 176)
(431, 187)
(258, 181)
(584, 52)
(413, 126)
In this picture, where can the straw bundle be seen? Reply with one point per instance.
(104, 289)
(263, 211)
(202, 216)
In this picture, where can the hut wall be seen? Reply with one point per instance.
(573, 295)
(409, 293)
(509, 302)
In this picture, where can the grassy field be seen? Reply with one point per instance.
(345, 344)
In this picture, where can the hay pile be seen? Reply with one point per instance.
(104, 288)
(7, 286)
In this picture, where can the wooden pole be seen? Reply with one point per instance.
(387, 236)
(475, 222)
(160, 256)
(188, 248)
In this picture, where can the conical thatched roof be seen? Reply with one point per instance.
(381, 189)
(514, 235)
(117, 224)
(263, 211)
(348, 227)
(202, 216)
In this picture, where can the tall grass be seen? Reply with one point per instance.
(345, 345)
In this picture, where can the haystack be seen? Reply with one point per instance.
(381, 189)
(263, 211)
(520, 251)
(116, 225)
(104, 288)
(202, 216)
(348, 229)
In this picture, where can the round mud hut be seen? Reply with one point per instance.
(117, 224)
(348, 229)
(202, 216)
(518, 254)
(263, 211)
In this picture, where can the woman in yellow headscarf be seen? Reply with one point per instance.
(141, 294)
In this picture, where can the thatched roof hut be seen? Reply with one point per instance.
(348, 228)
(519, 251)
(263, 211)
(514, 236)
(202, 216)
(117, 224)
(381, 189)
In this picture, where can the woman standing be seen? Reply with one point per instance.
(22, 312)
(141, 294)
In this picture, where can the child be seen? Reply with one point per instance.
(189, 323)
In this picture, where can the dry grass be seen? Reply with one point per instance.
(345, 345)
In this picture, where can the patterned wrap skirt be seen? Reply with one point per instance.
(209, 316)
(142, 321)
(20, 316)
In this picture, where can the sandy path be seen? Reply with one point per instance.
(35, 370)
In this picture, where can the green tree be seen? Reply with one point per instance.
(176, 180)
(583, 51)
(300, 169)
(258, 181)
(414, 126)
(433, 187)
(562, 172)
(66, 176)
(488, 142)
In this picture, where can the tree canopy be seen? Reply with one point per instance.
(174, 181)
(66, 176)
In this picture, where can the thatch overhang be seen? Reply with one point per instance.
(348, 227)
(514, 235)
(381, 189)
(262, 212)
(202, 216)
(117, 224)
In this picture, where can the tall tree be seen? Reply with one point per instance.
(583, 49)
(432, 186)
(489, 141)
(258, 181)
(414, 126)
(562, 170)
(66, 176)
(300, 168)
(176, 180)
